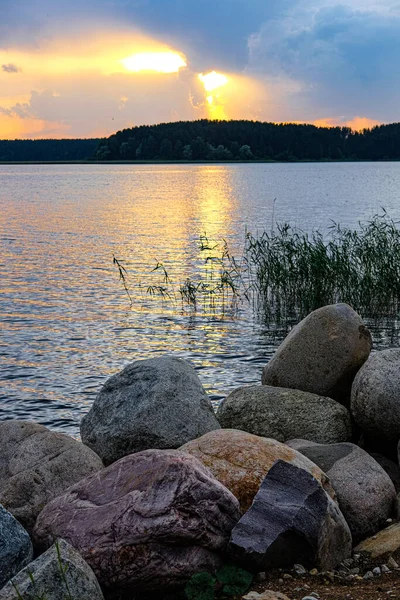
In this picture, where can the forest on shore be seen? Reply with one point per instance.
(206, 140)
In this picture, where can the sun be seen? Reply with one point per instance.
(156, 62)
(213, 80)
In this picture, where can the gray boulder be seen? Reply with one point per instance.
(155, 403)
(15, 546)
(391, 468)
(36, 465)
(292, 520)
(59, 574)
(375, 398)
(147, 522)
(322, 354)
(365, 492)
(283, 414)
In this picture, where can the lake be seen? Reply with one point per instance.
(66, 321)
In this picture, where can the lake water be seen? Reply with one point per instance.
(66, 324)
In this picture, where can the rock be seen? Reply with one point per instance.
(15, 547)
(384, 543)
(391, 468)
(155, 403)
(291, 520)
(146, 523)
(59, 574)
(299, 569)
(368, 575)
(240, 461)
(284, 414)
(321, 354)
(375, 398)
(365, 493)
(36, 465)
(267, 595)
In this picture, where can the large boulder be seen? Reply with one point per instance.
(365, 492)
(148, 522)
(375, 399)
(15, 547)
(322, 354)
(240, 461)
(59, 574)
(36, 465)
(383, 544)
(284, 414)
(155, 403)
(292, 520)
(391, 468)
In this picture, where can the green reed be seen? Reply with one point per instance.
(293, 272)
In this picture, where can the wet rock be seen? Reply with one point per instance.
(148, 522)
(384, 543)
(155, 403)
(365, 493)
(240, 461)
(284, 414)
(36, 465)
(375, 399)
(291, 520)
(59, 574)
(321, 354)
(15, 546)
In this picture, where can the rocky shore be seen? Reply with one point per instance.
(291, 491)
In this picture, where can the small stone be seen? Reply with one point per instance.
(300, 570)
(355, 570)
(314, 572)
(287, 576)
(392, 564)
(385, 569)
(348, 562)
(376, 571)
(314, 594)
(368, 575)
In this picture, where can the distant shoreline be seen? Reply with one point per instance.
(192, 162)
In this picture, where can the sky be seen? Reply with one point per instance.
(89, 68)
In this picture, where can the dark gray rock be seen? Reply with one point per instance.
(36, 465)
(59, 574)
(321, 354)
(15, 546)
(375, 398)
(148, 522)
(283, 414)
(291, 520)
(365, 492)
(155, 403)
(391, 468)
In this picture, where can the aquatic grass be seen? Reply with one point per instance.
(294, 272)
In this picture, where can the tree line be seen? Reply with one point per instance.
(248, 140)
(216, 141)
(47, 150)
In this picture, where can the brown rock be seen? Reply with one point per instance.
(385, 542)
(36, 465)
(148, 522)
(240, 461)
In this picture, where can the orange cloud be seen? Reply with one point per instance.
(357, 124)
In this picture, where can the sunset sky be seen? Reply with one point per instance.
(88, 68)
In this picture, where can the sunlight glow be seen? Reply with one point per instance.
(213, 80)
(159, 62)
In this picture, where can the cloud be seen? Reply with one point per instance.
(10, 68)
(343, 58)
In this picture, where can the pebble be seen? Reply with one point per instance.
(314, 572)
(392, 564)
(287, 576)
(385, 569)
(376, 571)
(300, 570)
(368, 575)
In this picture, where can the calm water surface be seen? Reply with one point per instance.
(66, 324)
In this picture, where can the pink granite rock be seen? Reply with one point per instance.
(148, 522)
